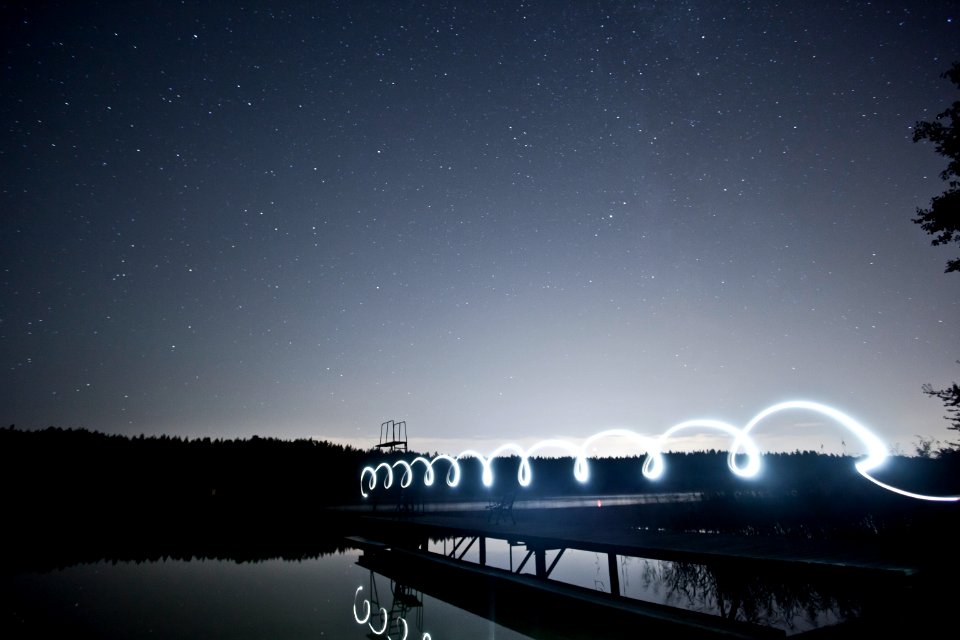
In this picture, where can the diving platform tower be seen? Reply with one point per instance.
(393, 436)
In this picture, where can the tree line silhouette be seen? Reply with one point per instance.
(77, 493)
(74, 495)
(60, 468)
(699, 471)
(803, 493)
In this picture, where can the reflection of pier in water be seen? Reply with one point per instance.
(746, 577)
(392, 622)
(538, 607)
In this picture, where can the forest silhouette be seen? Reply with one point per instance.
(74, 495)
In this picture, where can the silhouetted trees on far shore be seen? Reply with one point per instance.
(74, 493)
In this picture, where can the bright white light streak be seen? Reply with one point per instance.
(753, 453)
(876, 450)
(368, 476)
(407, 476)
(453, 473)
(653, 464)
(372, 472)
(427, 472)
(652, 470)
(366, 604)
(383, 616)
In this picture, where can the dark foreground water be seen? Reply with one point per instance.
(333, 597)
(315, 598)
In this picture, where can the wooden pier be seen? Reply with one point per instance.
(576, 529)
(543, 608)
(399, 546)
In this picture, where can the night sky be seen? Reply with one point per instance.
(493, 220)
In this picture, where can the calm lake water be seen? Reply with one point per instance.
(790, 606)
(332, 597)
(220, 599)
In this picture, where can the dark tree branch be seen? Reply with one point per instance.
(942, 218)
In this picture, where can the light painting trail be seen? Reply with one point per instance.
(383, 615)
(653, 465)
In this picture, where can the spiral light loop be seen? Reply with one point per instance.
(653, 464)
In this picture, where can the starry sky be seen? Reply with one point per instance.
(494, 220)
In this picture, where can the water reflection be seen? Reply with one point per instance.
(767, 598)
(792, 600)
(311, 597)
(393, 622)
(521, 602)
(230, 598)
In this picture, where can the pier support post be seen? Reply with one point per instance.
(614, 574)
(483, 551)
(541, 560)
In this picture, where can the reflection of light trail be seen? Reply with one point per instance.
(382, 614)
(653, 446)
(366, 605)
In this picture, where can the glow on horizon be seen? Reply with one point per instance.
(653, 465)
